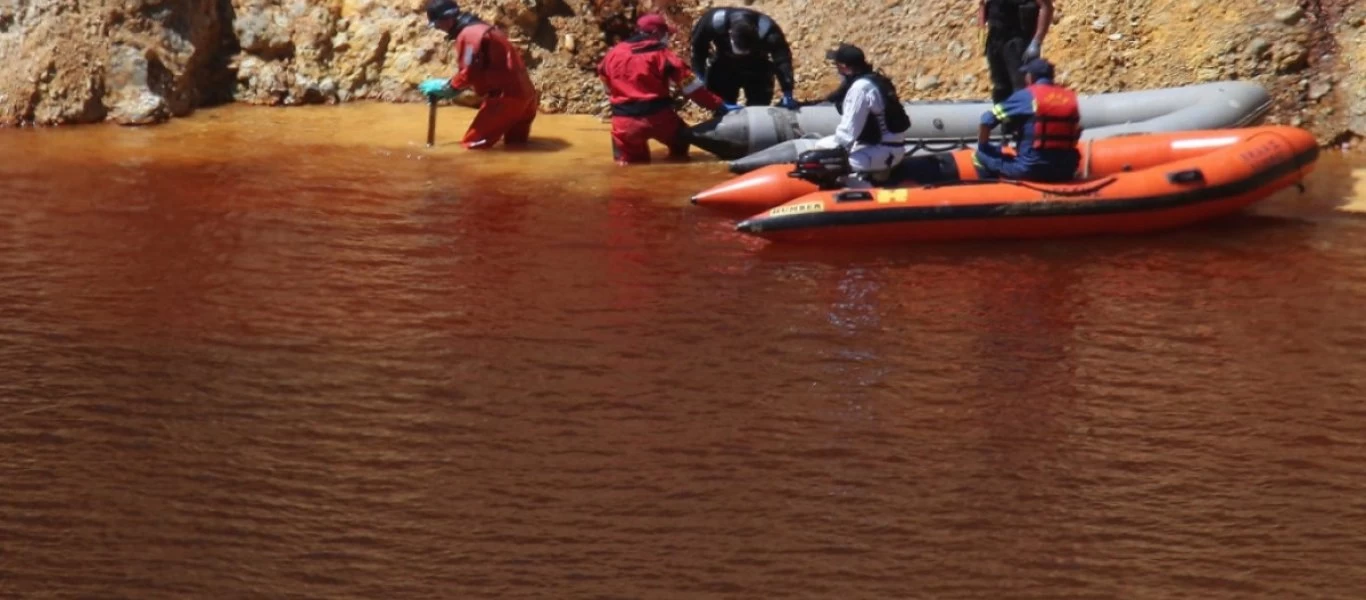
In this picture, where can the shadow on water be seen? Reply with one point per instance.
(1335, 181)
(1345, 186)
(1195, 239)
(534, 145)
(540, 144)
(1334, 190)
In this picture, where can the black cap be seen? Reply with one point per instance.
(442, 9)
(847, 54)
(1039, 68)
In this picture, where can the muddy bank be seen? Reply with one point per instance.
(144, 61)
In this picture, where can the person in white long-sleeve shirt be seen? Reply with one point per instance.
(873, 122)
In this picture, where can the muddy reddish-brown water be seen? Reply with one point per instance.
(294, 354)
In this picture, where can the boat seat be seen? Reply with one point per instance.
(924, 170)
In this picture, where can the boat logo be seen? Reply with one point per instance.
(797, 209)
(1266, 155)
(885, 196)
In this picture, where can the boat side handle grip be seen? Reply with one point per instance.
(1187, 176)
(853, 196)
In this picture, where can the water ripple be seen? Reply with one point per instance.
(336, 373)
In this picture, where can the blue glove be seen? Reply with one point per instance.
(788, 102)
(437, 88)
(728, 107)
(1032, 52)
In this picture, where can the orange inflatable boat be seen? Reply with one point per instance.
(1203, 177)
(772, 185)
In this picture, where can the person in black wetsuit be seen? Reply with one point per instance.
(739, 49)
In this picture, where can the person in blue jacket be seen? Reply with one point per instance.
(1048, 122)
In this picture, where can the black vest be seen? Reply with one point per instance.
(1013, 17)
(893, 112)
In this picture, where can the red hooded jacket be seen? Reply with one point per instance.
(490, 64)
(638, 72)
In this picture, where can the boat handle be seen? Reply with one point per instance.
(1187, 176)
(853, 196)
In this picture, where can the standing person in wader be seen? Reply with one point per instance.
(637, 73)
(493, 67)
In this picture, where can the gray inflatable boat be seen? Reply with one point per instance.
(763, 135)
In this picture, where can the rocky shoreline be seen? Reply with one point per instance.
(145, 61)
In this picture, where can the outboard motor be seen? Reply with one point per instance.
(825, 167)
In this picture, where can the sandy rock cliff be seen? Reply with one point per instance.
(143, 61)
(136, 61)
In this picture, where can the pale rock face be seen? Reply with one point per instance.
(130, 78)
(143, 61)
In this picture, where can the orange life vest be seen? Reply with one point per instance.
(1056, 124)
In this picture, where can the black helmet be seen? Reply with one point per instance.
(442, 9)
(848, 55)
(743, 37)
(465, 20)
(438, 10)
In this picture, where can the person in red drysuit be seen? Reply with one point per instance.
(494, 69)
(637, 73)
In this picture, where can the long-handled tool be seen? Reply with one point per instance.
(431, 121)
